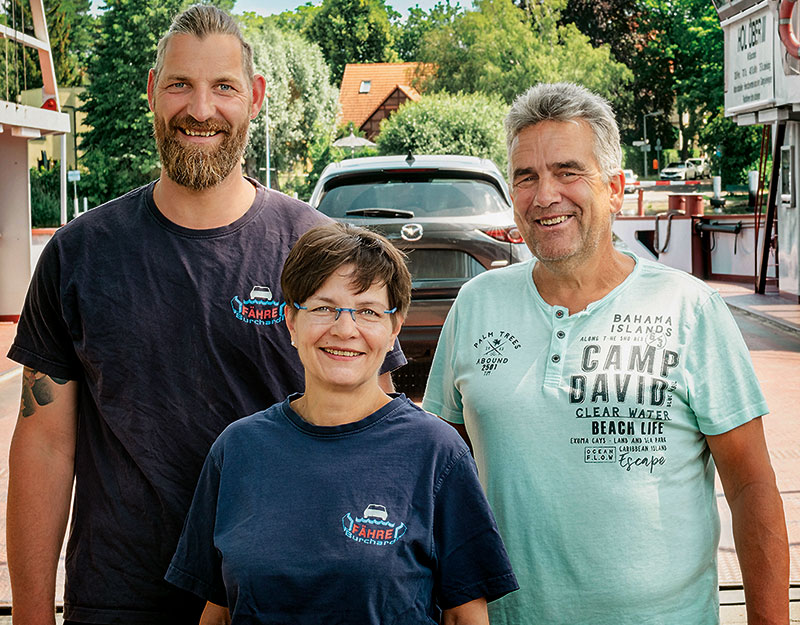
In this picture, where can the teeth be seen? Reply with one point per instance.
(196, 133)
(554, 220)
(341, 352)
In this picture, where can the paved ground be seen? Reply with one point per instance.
(771, 326)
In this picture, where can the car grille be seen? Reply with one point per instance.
(426, 264)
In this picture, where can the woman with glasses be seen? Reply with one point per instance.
(343, 504)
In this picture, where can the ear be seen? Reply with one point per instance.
(151, 86)
(616, 187)
(398, 324)
(290, 313)
(258, 93)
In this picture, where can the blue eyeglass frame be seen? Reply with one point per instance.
(340, 310)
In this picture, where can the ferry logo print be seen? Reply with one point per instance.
(373, 527)
(260, 308)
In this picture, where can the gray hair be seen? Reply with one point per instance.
(202, 20)
(561, 102)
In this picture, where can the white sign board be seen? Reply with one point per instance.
(73, 175)
(749, 40)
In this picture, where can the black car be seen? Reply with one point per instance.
(451, 215)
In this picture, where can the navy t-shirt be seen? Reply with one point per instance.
(380, 521)
(172, 334)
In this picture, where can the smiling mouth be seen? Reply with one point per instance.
(553, 221)
(199, 133)
(340, 352)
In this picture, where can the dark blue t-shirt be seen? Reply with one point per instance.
(172, 334)
(380, 521)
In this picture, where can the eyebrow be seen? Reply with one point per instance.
(328, 300)
(226, 78)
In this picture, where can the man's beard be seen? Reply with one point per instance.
(194, 166)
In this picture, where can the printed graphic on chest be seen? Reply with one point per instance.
(259, 308)
(373, 527)
(621, 392)
(493, 349)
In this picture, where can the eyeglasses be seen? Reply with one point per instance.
(362, 317)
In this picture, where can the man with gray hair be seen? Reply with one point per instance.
(151, 323)
(596, 388)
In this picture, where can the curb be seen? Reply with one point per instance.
(770, 321)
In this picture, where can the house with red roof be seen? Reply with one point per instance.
(370, 92)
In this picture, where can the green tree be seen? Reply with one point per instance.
(302, 103)
(70, 28)
(119, 150)
(409, 34)
(353, 31)
(297, 20)
(739, 147)
(467, 124)
(500, 48)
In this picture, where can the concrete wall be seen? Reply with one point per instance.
(15, 224)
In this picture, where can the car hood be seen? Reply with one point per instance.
(458, 222)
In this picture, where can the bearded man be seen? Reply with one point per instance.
(151, 323)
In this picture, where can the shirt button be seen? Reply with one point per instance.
(559, 313)
(560, 334)
(555, 358)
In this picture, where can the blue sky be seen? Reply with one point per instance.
(269, 7)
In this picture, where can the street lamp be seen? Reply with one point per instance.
(644, 128)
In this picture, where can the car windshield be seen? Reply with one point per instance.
(428, 197)
(676, 166)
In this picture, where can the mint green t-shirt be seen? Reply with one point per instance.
(588, 431)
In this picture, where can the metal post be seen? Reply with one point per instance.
(266, 130)
(644, 147)
(772, 204)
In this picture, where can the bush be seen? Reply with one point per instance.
(45, 197)
(464, 124)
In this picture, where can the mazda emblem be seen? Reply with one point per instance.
(411, 232)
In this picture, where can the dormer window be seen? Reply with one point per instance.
(365, 85)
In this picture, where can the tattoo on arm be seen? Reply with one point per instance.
(37, 390)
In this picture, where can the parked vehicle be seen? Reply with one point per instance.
(701, 165)
(630, 178)
(452, 215)
(679, 170)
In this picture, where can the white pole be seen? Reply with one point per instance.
(63, 179)
(266, 130)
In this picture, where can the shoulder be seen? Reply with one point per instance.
(492, 284)
(288, 212)
(114, 214)
(428, 430)
(242, 431)
(668, 281)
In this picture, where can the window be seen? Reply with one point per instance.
(365, 86)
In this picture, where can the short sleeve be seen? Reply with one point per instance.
(471, 558)
(43, 340)
(196, 565)
(722, 386)
(442, 398)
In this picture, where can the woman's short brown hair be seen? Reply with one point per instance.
(323, 249)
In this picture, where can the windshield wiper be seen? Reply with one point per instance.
(380, 212)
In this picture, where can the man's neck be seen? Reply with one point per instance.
(214, 207)
(575, 286)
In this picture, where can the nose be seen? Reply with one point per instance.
(345, 325)
(201, 106)
(547, 191)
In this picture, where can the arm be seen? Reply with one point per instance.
(470, 613)
(759, 527)
(214, 614)
(41, 468)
